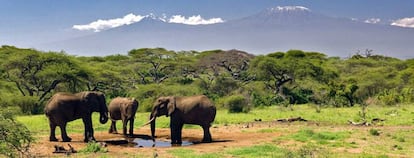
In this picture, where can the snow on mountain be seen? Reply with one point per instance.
(289, 9)
(273, 29)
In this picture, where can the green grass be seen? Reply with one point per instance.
(264, 150)
(180, 152)
(335, 116)
(333, 137)
(308, 135)
(94, 147)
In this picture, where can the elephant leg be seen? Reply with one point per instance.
(65, 137)
(180, 129)
(112, 129)
(176, 128)
(131, 127)
(124, 126)
(207, 134)
(52, 136)
(88, 129)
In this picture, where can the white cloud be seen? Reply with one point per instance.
(100, 25)
(404, 22)
(194, 20)
(373, 20)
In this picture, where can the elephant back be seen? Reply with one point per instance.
(62, 105)
(198, 109)
(122, 106)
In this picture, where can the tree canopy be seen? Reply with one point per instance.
(292, 77)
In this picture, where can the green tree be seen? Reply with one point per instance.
(37, 74)
(300, 69)
(157, 63)
(234, 62)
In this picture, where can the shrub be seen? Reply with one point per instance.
(184, 80)
(265, 100)
(374, 132)
(389, 97)
(27, 104)
(396, 96)
(260, 96)
(224, 86)
(237, 104)
(94, 147)
(15, 138)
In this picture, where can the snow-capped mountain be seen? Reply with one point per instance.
(273, 29)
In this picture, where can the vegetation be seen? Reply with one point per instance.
(280, 78)
(15, 138)
(94, 147)
(359, 88)
(330, 135)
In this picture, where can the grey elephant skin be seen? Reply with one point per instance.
(65, 107)
(123, 109)
(197, 110)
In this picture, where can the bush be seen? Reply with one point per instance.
(396, 96)
(94, 147)
(184, 80)
(374, 132)
(15, 138)
(27, 104)
(260, 96)
(389, 97)
(224, 86)
(237, 104)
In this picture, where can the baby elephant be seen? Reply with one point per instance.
(123, 109)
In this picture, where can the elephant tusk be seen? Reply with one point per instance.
(152, 119)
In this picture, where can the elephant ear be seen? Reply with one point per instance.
(84, 96)
(171, 106)
(91, 99)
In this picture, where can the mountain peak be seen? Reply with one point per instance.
(279, 9)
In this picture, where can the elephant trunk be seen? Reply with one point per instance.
(103, 118)
(152, 119)
(103, 110)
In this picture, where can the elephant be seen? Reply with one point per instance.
(197, 110)
(123, 109)
(65, 107)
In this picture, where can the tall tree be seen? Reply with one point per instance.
(234, 62)
(157, 63)
(37, 74)
(296, 67)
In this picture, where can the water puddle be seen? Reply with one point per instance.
(145, 143)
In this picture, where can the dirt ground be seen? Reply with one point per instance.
(223, 137)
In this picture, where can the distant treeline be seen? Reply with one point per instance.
(234, 79)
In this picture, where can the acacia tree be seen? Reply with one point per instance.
(185, 62)
(223, 71)
(296, 67)
(37, 74)
(107, 78)
(156, 63)
(275, 73)
(234, 62)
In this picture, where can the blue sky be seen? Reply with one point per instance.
(25, 19)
